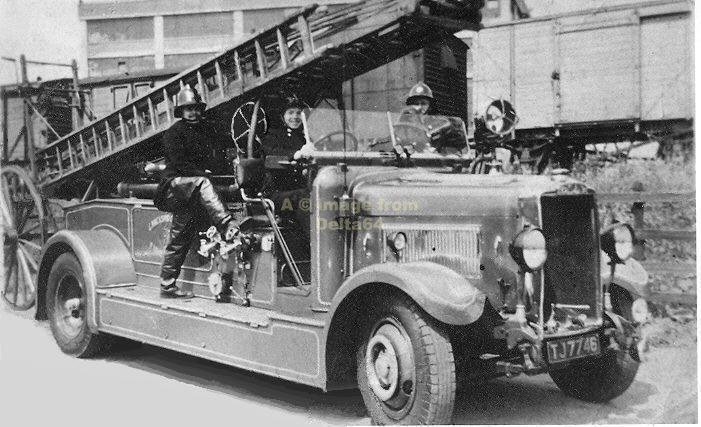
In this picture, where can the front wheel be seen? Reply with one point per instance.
(598, 379)
(406, 370)
(67, 306)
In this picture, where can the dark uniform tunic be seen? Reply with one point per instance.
(286, 186)
(190, 150)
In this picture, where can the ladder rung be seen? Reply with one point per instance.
(82, 148)
(282, 48)
(137, 121)
(166, 99)
(261, 60)
(123, 128)
(108, 132)
(70, 154)
(152, 115)
(220, 78)
(96, 141)
(305, 35)
(203, 89)
(239, 70)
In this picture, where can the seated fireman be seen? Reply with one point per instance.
(287, 187)
(419, 102)
(192, 153)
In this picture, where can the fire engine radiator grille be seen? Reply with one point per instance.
(454, 246)
(569, 223)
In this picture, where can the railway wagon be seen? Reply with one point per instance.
(611, 73)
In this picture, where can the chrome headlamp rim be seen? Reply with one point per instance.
(617, 241)
(529, 249)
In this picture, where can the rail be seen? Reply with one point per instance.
(677, 271)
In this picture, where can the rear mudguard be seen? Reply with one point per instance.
(104, 257)
(631, 276)
(440, 291)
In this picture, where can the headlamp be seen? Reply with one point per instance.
(528, 249)
(617, 241)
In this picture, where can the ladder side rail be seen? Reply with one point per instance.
(260, 85)
(192, 71)
(386, 21)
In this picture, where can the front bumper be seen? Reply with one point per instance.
(529, 351)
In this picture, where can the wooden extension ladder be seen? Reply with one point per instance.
(307, 48)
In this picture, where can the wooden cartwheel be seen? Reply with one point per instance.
(27, 221)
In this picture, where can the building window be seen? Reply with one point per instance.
(109, 66)
(198, 25)
(258, 20)
(119, 30)
(185, 60)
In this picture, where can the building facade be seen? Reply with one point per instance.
(123, 36)
(138, 35)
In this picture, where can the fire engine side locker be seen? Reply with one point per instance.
(245, 337)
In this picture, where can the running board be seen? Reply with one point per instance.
(251, 338)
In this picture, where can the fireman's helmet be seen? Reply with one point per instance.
(294, 102)
(187, 96)
(420, 90)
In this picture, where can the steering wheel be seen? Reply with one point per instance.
(412, 134)
(241, 124)
(324, 142)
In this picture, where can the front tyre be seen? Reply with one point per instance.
(406, 370)
(600, 379)
(67, 306)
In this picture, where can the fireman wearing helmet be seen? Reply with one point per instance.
(420, 98)
(192, 153)
(415, 127)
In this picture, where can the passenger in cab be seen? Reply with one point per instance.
(287, 186)
(415, 126)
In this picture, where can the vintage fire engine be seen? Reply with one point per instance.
(418, 276)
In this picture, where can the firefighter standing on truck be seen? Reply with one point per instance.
(191, 155)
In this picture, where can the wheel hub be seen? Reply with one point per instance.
(390, 367)
(70, 306)
(382, 366)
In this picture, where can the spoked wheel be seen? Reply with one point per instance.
(406, 370)
(24, 232)
(241, 124)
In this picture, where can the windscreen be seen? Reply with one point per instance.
(368, 131)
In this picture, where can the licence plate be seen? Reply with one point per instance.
(565, 349)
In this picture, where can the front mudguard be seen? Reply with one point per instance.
(625, 335)
(103, 256)
(438, 290)
(630, 276)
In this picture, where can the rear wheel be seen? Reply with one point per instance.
(406, 370)
(23, 233)
(67, 306)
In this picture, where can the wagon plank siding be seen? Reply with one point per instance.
(491, 56)
(610, 64)
(599, 76)
(534, 65)
(665, 83)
